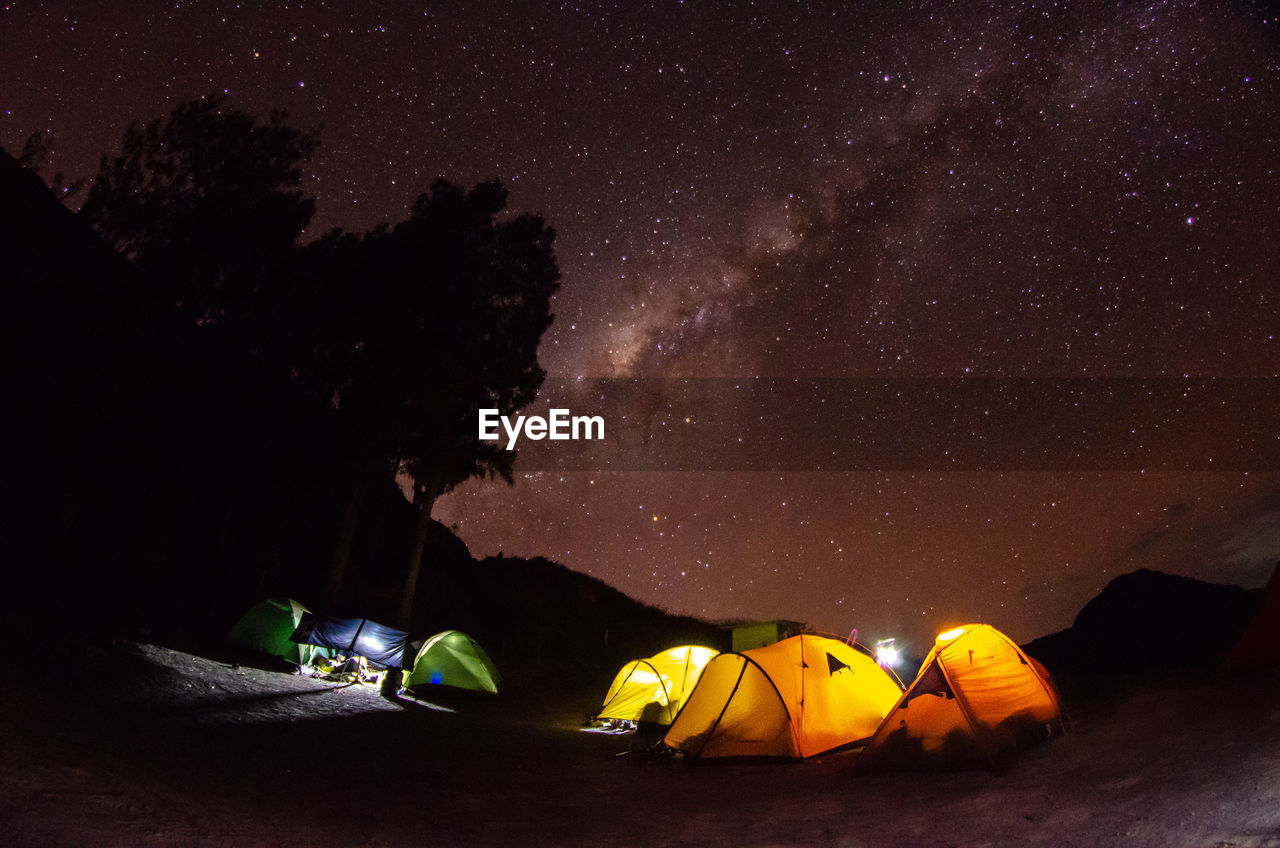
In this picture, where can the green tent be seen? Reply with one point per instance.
(452, 658)
(761, 633)
(266, 628)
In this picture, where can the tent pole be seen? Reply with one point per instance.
(356, 638)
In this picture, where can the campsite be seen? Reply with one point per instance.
(928, 475)
(160, 746)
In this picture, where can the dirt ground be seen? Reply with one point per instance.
(158, 747)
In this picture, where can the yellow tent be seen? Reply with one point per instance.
(795, 698)
(977, 696)
(654, 689)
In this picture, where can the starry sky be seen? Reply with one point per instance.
(762, 204)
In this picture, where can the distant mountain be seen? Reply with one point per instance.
(535, 615)
(1143, 626)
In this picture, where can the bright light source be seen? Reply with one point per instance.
(950, 634)
(887, 653)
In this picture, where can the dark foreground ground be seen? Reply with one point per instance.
(140, 745)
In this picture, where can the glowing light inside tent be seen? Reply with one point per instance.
(437, 677)
(950, 634)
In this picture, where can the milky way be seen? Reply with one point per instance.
(809, 190)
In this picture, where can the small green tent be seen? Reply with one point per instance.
(266, 628)
(452, 658)
(761, 633)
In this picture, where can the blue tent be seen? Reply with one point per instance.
(354, 637)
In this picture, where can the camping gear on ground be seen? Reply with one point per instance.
(796, 698)
(345, 669)
(757, 634)
(978, 697)
(654, 689)
(452, 658)
(267, 626)
(1259, 645)
(376, 642)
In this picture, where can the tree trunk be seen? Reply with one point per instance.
(342, 550)
(409, 592)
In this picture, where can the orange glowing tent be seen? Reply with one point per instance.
(654, 689)
(796, 698)
(977, 697)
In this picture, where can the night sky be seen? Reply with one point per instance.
(835, 191)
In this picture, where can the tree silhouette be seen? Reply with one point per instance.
(32, 158)
(207, 201)
(436, 318)
(374, 349)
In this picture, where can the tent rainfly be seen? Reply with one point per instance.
(654, 689)
(267, 626)
(452, 658)
(796, 698)
(977, 697)
(354, 637)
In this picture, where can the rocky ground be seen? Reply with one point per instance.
(136, 744)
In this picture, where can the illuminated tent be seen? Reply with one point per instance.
(1259, 645)
(654, 689)
(267, 626)
(353, 637)
(796, 698)
(977, 696)
(453, 658)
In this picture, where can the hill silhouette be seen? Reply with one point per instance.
(84, 344)
(536, 617)
(1146, 626)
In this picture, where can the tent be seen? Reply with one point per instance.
(977, 697)
(1259, 645)
(654, 689)
(354, 637)
(452, 658)
(795, 698)
(266, 628)
(757, 634)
